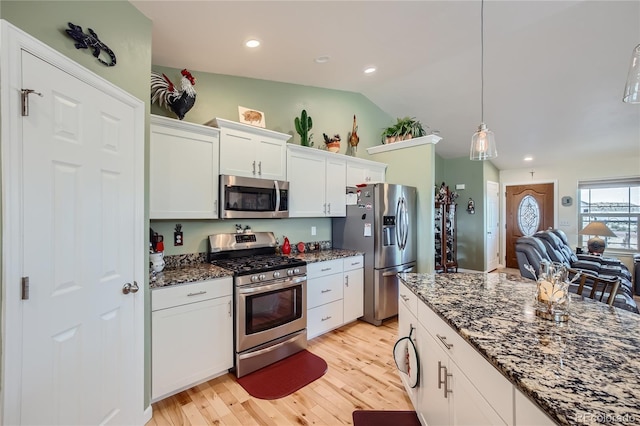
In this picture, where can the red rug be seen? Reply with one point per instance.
(385, 418)
(285, 376)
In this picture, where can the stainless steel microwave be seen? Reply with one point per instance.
(245, 197)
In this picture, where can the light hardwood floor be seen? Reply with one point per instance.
(361, 375)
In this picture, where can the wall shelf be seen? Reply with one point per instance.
(433, 139)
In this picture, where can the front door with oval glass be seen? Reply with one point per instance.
(529, 209)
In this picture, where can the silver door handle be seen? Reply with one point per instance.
(440, 381)
(405, 298)
(260, 168)
(328, 208)
(443, 339)
(130, 288)
(346, 280)
(325, 291)
(447, 391)
(254, 167)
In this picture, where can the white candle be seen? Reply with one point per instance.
(546, 292)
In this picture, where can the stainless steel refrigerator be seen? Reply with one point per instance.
(381, 222)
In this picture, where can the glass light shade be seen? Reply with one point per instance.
(483, 144)
(632, 88)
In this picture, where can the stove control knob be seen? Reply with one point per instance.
(262, 277)
(276, 274)
(254, 278)
(290, 272)
(296, 271)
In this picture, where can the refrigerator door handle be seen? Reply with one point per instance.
(399, 223)
(405, 223)
(397, 271)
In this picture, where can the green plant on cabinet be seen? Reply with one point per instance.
(303, 125)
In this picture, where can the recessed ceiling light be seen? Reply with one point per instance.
(528, 158)
(369, 70)
(322, 59)
(252, 43)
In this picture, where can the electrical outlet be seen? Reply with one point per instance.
(178, 239)
(313, 230)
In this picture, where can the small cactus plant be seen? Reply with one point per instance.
(303, 125)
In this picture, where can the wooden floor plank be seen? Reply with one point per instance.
(361, 375)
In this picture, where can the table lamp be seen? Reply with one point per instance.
(597, 229)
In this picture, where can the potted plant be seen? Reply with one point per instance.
(303, 125)
(333, 144)
(403, 129)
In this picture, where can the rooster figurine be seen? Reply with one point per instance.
(178, 101)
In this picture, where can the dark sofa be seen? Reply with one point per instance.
(552, 245)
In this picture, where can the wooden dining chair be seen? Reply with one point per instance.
(596, 286)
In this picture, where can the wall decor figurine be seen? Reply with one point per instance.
(354, 139)
(168, 96)
(91, 40)
(471, 207)
(251, 116)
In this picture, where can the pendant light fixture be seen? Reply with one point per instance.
(632, 88)
(483, 143)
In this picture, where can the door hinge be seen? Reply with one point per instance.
(25, 288)
(25, 100)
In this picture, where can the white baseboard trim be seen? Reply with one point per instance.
(148, 414)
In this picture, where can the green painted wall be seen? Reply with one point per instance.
(128, 33)
(332, 110)
(415, 166)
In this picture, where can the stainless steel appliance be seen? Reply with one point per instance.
(381, 222)
(270, 298)
(244, 197)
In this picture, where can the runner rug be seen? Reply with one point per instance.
(385, 418)
(284, 377)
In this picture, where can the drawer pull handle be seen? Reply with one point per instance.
(196, 294)
(355, 263)
(443, 339)
(326, 318)
(405, 298)
(325, 269)
(325, 291)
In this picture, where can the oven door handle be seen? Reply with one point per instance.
(272, 285)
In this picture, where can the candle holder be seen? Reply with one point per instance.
(552, 292)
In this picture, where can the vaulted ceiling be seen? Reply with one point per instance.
(554, 71)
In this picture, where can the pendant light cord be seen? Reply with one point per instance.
(482, 61)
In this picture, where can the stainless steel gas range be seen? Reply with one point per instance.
(270, 298)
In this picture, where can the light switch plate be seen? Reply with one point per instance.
(460, 185)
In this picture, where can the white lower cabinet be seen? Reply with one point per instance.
(353, 291)
(457, 386)
(528, 414)
(408, 325)
(191, 335)
(332, 303)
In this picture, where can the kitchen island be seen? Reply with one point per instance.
(586, 370)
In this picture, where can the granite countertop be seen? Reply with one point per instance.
(192, 268)
(583, 371)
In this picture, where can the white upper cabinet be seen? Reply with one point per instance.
(183, 170)
(251, 151)
(317, 182)
(361, 171)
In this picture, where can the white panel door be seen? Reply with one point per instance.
(79, 192)
(492, 247)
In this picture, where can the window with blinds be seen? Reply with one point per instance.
(616, 202)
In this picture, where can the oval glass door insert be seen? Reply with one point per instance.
(528, 215)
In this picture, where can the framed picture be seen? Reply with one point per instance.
(251, 116)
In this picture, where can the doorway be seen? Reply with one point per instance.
(528, 208)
